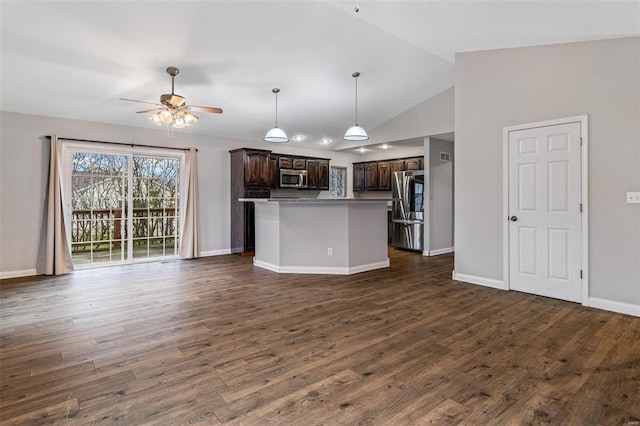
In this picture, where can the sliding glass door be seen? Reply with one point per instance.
(155, 201)
(125, 206)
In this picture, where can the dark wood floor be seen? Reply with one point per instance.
(218, 340)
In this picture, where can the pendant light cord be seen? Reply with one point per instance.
(356, 75)
(356, 101)
(276, 124)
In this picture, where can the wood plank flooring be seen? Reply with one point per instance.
(219, 341)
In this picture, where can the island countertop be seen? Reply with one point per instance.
(320, 235)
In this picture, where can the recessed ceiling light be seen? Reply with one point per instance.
(385, 146)
(298, 138)
(325, 141)
(362, 149)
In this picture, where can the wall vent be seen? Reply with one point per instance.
(445, 156)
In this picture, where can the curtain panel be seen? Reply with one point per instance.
(54, 254)
(189, 248)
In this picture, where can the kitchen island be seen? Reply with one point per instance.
(320, 235)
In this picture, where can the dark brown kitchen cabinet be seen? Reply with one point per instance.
(250, 178)
(273, 171)
(384, 176)
(312, 174)
(299, 163)
(371, 176)
(396, 166)
(317, 169)
(285, 162)
(358, 177)
(377, 175)
(256, 167)
(413, 163)
(323, 174)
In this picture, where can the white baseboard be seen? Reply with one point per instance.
(613, 306)
(487, 282)
(328, 270)
(215, 252)
(16, 274)
(438, 251)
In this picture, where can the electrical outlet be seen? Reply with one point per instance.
(329, 251)
(633, 197)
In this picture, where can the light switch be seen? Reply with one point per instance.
(633, 197)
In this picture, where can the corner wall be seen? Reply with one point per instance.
(507, 87)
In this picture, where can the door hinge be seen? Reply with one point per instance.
(580, 207)
(580, 140)
(580, 273)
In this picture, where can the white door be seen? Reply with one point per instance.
(544, 211)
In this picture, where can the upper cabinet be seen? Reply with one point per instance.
(317, 169)
(384, 176)
(256, 167)
(413, 163)
(312, 174)
(376, 175)
(273, 171)
(299, 163)
(285, 162)
(323, 174)
(358, 176)
(371, 176)
(396, 166)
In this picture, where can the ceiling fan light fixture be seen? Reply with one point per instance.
(155, 119)
(190, 119)
(356, 133)
(165, 116)
(179, 123)
(276, 134)
(173, 109)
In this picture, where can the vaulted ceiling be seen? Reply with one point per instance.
(75, 59)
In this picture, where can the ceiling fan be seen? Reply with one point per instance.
(173, 107)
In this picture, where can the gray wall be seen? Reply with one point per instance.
(440, 195)
(507, 87)
(23, 175)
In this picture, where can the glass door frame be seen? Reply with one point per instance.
(69, 147)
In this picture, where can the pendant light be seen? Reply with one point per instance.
(276, 135)
(356, 133)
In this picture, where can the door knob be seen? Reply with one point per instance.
(513, 218)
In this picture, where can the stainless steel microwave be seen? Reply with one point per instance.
(293, 178)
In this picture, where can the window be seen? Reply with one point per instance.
(338, 181)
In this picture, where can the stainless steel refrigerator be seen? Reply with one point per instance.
(407, 218)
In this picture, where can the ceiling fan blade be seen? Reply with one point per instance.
(150, 110)
(140, 102)
(206, 109)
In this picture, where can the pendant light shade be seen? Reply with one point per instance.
(276, 134)
(356, 133)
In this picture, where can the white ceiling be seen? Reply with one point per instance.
(74, 59)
